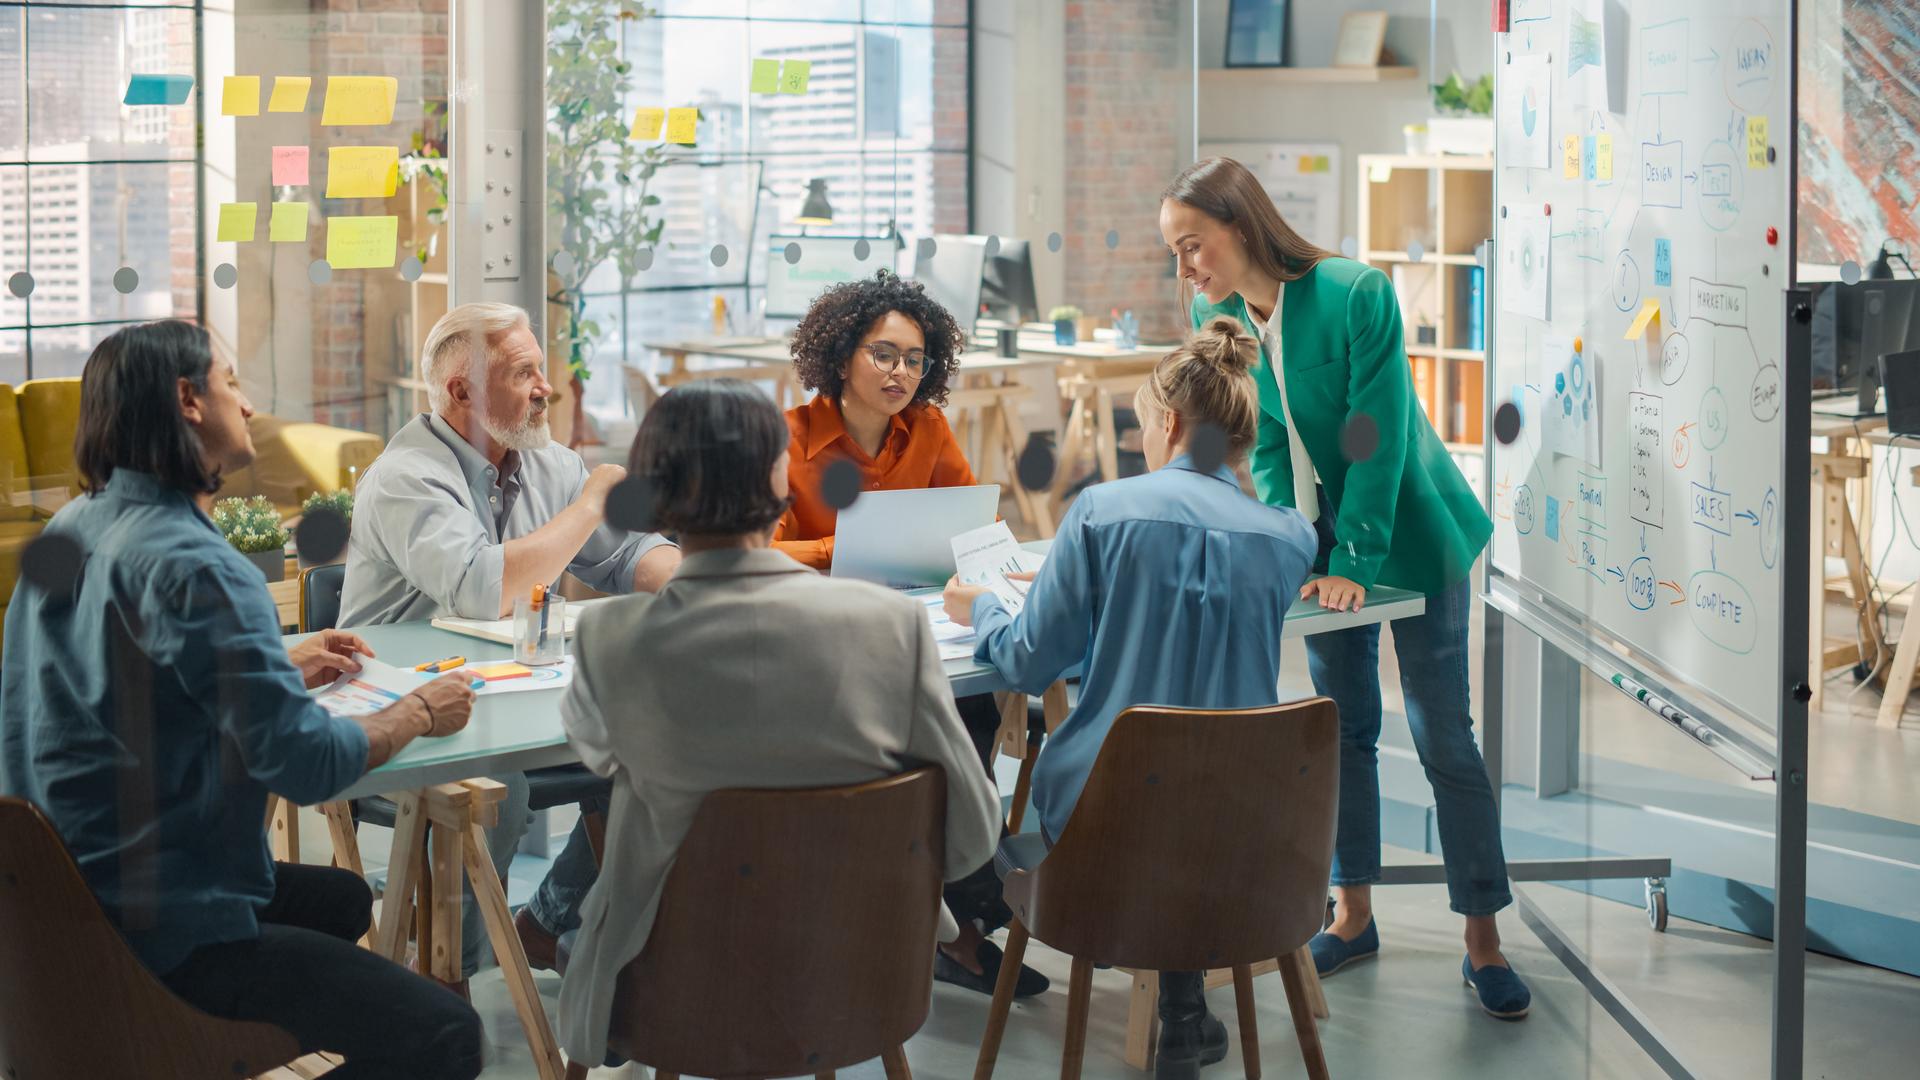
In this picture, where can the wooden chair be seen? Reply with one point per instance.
(795, 934)
(75, 1001)
(1202, 840)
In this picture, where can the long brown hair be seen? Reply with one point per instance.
(1229, 193)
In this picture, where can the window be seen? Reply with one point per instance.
(94, 194)
(883, 124)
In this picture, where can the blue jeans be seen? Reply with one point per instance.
(1432, 649)
(556, 903)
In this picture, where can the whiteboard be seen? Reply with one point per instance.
(1302, 179)
(1632, 169)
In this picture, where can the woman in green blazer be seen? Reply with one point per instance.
(1342, 439)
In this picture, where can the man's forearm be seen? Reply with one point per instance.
(392, 728)
(542, 554)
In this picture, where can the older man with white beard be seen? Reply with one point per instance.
(474, 504)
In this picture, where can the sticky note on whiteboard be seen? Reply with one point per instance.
(1603, 156)
(1649, 312)
(240, 95)
(766, 77)
(1662, 261)
(359, 99)
(362, 243)
(236, 222)
(362, 172)
(288, 223)
(1570, 157)
(290, 93)
(683, 125)
(290, 165)
(157, 90)
(1589, 158)
(1756, 142)
(646, 123)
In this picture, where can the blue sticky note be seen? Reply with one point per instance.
(1589, 162)
(1663, 262)
(1553, 518)
(158, 90)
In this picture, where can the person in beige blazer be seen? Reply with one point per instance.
(746, 670)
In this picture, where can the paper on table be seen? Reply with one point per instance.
(359, 99)
(985, 556)
(508, 677)
(374, 687)
(290, 94)
(362, 172)
(363, 243)
(954, 641)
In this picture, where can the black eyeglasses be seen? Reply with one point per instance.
(887, 359)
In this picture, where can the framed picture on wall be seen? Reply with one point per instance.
(1257, 33)
(1363, 37)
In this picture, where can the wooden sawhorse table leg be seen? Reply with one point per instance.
(1016, 740)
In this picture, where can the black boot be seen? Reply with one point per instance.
(1189, 1036)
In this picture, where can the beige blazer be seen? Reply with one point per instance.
(747, 670)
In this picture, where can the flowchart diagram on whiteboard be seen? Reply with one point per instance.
(1642, 246)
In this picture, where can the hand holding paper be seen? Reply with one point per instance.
(987, 556)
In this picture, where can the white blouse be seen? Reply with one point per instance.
(1304, 474)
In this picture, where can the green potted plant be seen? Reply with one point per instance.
(253, 527)
(338, 502)
(1464, 124)
(1065, 320)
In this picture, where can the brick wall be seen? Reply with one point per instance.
(1129, 86)
(951, 69)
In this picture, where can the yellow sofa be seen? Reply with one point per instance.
(37, 477)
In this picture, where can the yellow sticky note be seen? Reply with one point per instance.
(363, 243)
(290, 93)
(766, 77)
(1570, 157)
(646, 123)
(1603, 156)
(236, 221)
(497, 672)
(362, 172)
(794, 75)
(1649, 312)
(683, 125)
(240, 95)
(1756, 142)
(360, 99)
(288, 225)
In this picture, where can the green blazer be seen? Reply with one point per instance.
(1405, 516)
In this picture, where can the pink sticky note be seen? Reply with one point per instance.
(290, 164)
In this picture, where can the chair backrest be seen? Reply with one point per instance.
(320, 588)
(75, 1001)
(1201, 840)
(49, 416)
(795, 932)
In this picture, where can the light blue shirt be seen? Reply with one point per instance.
(1168, 589)
(150, 708)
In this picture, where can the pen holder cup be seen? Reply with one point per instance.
(530, 644)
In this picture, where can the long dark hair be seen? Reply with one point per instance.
(706, 449)
(1229, 193)
(130, 407)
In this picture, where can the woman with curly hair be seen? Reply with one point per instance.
(879, 354)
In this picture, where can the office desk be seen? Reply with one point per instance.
(520, 731)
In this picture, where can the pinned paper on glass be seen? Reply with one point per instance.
(683, 126)
(158, 90)
(1525, 259)
(290, 165)
(362, 172)
(290, 93)
(766, 77)
(359, 100)
(1572, 404)
(363, 243)
(794, 75)
(236, 222)
(240, 95)
(1756, 142)
(646, 123)
(288, 223)
(1526, 90)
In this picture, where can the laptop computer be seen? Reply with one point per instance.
(904, 539)
(1900, 374)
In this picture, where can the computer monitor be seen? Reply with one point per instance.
(1854, 325)
(1900, 371)
(1007, 291)
(953, 275)
(824, 261)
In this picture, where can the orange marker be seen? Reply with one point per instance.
(438, 666)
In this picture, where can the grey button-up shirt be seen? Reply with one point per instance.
(432, 514)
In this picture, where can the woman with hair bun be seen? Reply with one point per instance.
(1342, 438)
(1131, 592)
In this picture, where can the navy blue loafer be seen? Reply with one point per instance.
(1502, 994)
(1330, 954)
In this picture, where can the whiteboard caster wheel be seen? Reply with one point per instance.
(1657, 904)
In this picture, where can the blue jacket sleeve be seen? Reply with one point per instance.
(226, 641)
(1054, 627)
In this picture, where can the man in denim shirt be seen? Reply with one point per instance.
(149, 707)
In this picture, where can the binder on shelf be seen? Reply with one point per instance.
(1476, 307)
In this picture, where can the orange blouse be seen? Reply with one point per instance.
(919, 452)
